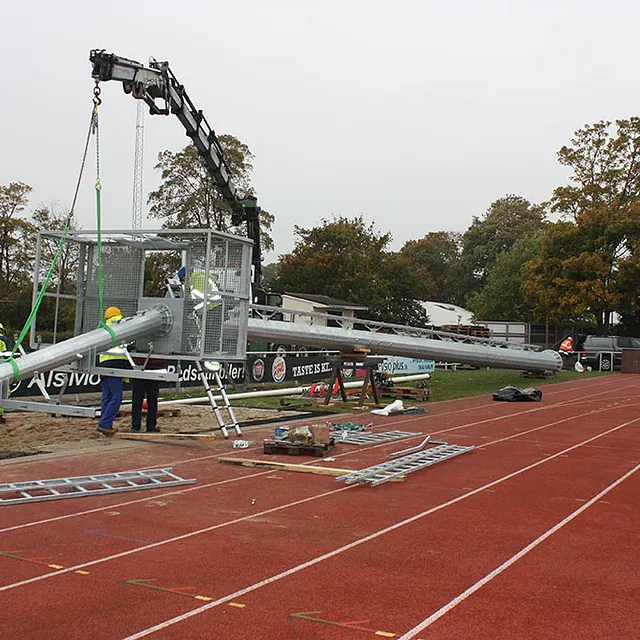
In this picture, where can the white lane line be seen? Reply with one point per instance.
(505, 565)
(161, 543)
(355, 543)
(262, 473)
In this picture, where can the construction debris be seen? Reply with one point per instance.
(419, 447)
(394, 407)
(387, 471)
(513, 394)
(283, 466)
(127, 435)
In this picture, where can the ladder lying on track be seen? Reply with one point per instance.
(361, 438)
(58, 488)
(392, 469)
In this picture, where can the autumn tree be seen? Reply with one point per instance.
(348, 259)
(188, 196)
(506, 220)
(605, 165)
(588, 262)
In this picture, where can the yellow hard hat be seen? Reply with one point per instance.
(111, 312)
(1, 329)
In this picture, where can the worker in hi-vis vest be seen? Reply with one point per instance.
(566, 347)
(114, 358)
(196, 291)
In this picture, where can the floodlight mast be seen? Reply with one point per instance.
(164, 95)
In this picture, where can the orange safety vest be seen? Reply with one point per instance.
(567, 345)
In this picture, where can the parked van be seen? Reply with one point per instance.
(604, 353)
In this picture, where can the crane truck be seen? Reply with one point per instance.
(164, 95)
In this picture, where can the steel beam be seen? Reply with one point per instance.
(498, 357)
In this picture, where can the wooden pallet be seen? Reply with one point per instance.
(406, 393)
(475, 331)
(295, 449)
(540, 375)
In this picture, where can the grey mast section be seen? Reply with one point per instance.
(399, 345)
(152, 322)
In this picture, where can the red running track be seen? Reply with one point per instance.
(534, 534)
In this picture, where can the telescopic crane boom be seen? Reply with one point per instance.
(160, 89)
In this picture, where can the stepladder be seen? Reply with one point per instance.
(207, 369)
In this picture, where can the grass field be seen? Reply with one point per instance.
(448, 385)
(444, 385)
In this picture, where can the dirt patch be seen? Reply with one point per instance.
(30, 432)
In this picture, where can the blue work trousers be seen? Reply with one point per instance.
(111, 400)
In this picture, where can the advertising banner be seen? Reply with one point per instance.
(269, 369)
(406, 366)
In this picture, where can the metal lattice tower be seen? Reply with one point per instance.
(136, 216)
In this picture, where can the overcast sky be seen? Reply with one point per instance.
(414, 114)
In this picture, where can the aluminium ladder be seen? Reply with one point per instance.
(360, 438)
(215, 369)
(59, 488)
(386, 471)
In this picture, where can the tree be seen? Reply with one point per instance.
(189, 197)
(574, 278)
(59, 316)
(341, 258)
(605, 166)
(503, 296)
(434, 259)
(270, 273)
(16, 254)
(506, 220)
(400, 304)
(588, 262)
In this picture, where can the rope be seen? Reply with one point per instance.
(36, 306)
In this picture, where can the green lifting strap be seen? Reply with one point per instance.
(14, 366)
(34, 310)
(36, 306)
(114, 342)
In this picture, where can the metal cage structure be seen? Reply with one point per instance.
(209, 304)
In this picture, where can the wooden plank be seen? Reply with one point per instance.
(284, 466)
(159, 436)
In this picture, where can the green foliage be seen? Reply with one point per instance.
(17, 248)
(588, 266)
(434, 259)
(506, 220)
(159, 266)
(605, 166)
(189, 196)
(340, 258)
(399, 305)
(503, 296)
(63, 277)
(270, 273)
